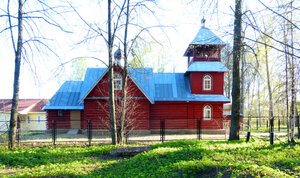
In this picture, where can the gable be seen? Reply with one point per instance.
(101, 89)
(140, 80)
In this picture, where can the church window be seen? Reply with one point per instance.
(117, 81)
(207, 82)
(207, 113)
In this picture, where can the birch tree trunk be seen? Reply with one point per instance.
(286, 82)
(124, 81)
(292, 73)
(271, 115)
(15, 99)
(236, 97)
(113, 126)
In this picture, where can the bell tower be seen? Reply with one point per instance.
(205, 69)
(206, 46)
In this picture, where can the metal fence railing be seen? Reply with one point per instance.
(89, 132)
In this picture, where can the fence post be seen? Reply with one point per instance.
(162, 130)
(18, 130)
(278, 124)
(199, 129)
(54, 133)
(89, 132)
(272, 124)
(271, 138)
(248, 136)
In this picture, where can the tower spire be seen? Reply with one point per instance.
(203, 22)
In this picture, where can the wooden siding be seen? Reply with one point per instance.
(196, 80)
(185, 115)
(62, 122)
(97, 111)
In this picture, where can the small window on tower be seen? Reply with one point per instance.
(117, 81)
(207, 82)
(207, 113)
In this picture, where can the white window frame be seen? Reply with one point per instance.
(207, 78)
(38, 119)
(207, 109)
(117, 81)
(28, 119)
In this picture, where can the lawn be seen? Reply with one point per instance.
(185, 158)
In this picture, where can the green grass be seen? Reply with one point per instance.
(187, 158)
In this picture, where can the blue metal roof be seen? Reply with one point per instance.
(207, 67)
(143, 77)
(176, 87)
(92, 76)
(66, 97)
(206, 37)
(155, 86)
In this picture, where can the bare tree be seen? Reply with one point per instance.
(292, 73)
(27, 43)
(132, 106)
(110, 43)
(119, 18)
(124, 80)
(18, 51)
(271, 115)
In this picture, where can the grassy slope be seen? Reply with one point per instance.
(174, 158)
(211, 158)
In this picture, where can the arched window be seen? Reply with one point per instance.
(117, 81)
(207, 82)
(207, 113)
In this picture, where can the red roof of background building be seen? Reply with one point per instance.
(5, 104)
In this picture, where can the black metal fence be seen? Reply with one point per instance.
(266, 124)
(88, 132)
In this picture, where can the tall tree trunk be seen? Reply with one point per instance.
(242, 81)
(113, 126)
(15, 99)
(124, 81)
(258, 99)
(293, 91)
(236, 98)
(286, 82)
(271, 115)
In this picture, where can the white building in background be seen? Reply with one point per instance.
(31, 115)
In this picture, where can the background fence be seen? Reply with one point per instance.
(60, 132)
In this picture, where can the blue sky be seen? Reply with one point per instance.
(183, 19)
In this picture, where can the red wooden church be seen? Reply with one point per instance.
(180, 99)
